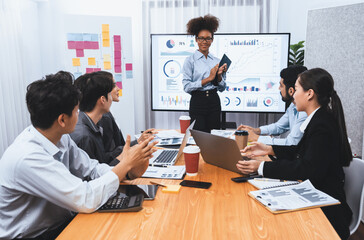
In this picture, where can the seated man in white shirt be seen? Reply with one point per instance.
(290, 121)
(45, 178)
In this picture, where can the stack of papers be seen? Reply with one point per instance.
(171, 172)
(223, 133)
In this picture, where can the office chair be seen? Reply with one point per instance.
(354, 190)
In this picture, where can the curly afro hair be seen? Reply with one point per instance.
(208, 22)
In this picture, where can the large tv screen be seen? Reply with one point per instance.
(252, 80)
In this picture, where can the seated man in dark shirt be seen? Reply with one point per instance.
(112, 136)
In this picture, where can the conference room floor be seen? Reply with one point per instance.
(224, 211)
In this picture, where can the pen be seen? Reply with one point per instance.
(159, 184)
(268, 180)
(149, 132)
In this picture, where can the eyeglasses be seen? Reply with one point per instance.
(201, 39)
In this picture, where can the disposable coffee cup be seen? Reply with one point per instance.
(192, 156)
(241, 138)
(184, 122)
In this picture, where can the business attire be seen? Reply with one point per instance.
(316, 158)
(290, 121)
(89, 137)
(42, 185)
(205, 106)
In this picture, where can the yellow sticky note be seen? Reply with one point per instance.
(120, 93)
(76, 62)
(92, 61)
(105, 35)
(107, 57)
(106, 43)
(107, 65)
(105, 27)
(171, 188)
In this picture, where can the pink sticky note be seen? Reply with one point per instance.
(87, 45)
(80, 53)
(119, 84)
(94, 45)
(89, 70)
(117, 62)
(117, 46)
(71, 44)
(117, 69)
(97, 69)
(129, 67)
(117, 38)
(80, 45)
(117, 54)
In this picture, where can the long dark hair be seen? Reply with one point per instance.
(322, 83)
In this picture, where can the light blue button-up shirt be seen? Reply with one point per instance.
(292, 121)
(196, 68)
(42, 184)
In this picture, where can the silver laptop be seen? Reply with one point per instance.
(166, 157)
(219, 151)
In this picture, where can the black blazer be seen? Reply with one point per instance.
(317, 158)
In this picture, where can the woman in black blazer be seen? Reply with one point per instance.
(322, 152)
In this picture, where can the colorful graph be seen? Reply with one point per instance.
(175, 101)
(252, 103)
(245, 42)
(172, 69)
(170, 43)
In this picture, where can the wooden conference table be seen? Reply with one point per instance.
(224, 211)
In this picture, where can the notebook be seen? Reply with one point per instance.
(293, 198)
(265, 183)
(166, 157)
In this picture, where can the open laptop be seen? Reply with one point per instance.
(166, 157)
(219, 151)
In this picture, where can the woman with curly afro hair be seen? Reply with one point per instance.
(199, 71)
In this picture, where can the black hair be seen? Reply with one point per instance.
(93, 86)
(208, 22)
(290, 75)
(50, 97)
(322, 83)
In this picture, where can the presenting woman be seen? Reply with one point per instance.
(199, 71)
(322, 152)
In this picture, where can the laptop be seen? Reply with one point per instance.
(219, 151)
(167, 157)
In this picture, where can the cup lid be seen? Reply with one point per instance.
(191, 149)
(241, 133)
(184, 118)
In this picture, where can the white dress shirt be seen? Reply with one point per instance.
(290, 121)
(302, 129)
(42, 184)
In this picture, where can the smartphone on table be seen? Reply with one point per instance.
(195, 184)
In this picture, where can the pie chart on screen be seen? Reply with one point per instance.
(170, 43)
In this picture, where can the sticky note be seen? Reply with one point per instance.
(77, 74)
(117, 69)
(117, 46)
(171, 188)
(129, 67)
(86, 37)
(119, 84)
(105, 27)
(107, 57)
(74, 36)
(105, 35)
(117, 62)
(80, 45)
(118, 78)
(117, 38)
(120, 92)
(129, 74)
(97, 69)
(76, 62)
(80, 53)
(89, 70)
(106, 43)
(92, 61)
(94, 45)
(117, 54)
(71, 44)
(94, 37)
(107, 65)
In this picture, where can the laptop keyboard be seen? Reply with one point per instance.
(166, 156)
(121, 203)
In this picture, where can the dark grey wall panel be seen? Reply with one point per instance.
(335, 42)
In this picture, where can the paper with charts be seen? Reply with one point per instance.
(171, 172)
(291, 198)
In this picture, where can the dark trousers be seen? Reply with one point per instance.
(205, 108)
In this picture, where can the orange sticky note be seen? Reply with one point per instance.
(105, 27)
(106, 43)
(107, 65)
(92, 61)
(105, 35)
(120, 92)
(76, 62)
(107, 57)
(171, 188)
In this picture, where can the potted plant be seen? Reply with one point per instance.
(296, 54)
